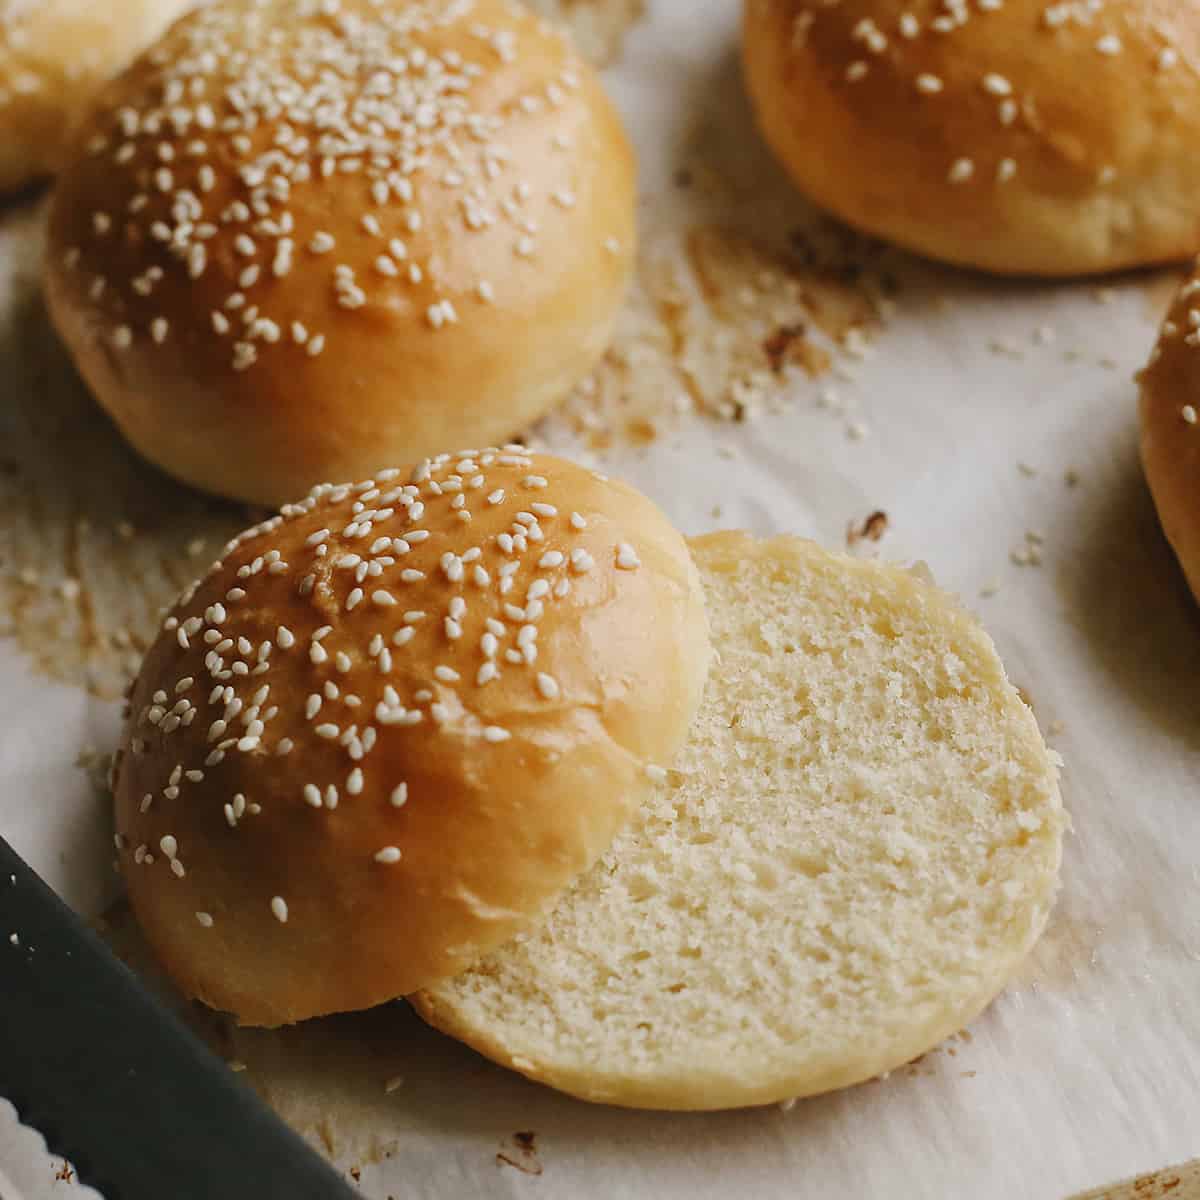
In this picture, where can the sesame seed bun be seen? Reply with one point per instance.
(380, 737)
(54, 54)
(1170, 428)
(1023, 137)
(273, 271)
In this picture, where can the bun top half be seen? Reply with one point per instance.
(1019, 136)
(308, 240)
(392, 724)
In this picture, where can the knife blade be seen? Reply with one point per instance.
(117, 1083)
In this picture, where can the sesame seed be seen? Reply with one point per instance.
(960, 170)
(1188, 412)
(495, 735)
(547, 685)
(627, 559)
(399, 796)
(388, 855)
(929, 85)
(205, 919)
(279, 909)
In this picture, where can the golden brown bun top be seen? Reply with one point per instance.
(333, 232)
(53, 56)
(393, 723)
(1017, 135)
(1170, 426)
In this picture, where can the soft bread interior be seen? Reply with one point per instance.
(857, 846)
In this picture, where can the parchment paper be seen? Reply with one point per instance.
(776, 373)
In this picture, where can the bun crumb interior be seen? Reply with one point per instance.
(855, 849)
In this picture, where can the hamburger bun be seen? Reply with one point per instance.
(54, 54)
(392, 724)
(303, 241)
(1022, 137)
(1170, 428)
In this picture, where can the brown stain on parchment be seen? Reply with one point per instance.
(1177, 1183)
(743, 293)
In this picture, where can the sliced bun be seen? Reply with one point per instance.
(1170, 427)
(1025, 137)
(855, 849)
(388, 729)
(304, 241)
(54, 55)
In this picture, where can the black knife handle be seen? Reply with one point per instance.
(117, 1083)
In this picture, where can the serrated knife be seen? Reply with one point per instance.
(116, 1083)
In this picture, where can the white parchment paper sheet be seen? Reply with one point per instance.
(1088, 1068)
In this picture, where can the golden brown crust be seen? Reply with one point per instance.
(54, 54)
(1170, 428)
(1024, 138)
(477, 247)
(515, 784)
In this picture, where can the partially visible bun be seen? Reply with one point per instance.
(388, 729)
(1170, 427)
(1023, 137)
(54, 54)
(856, 848)
(306, 240)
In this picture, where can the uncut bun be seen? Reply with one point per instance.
(336, 270)
(857, 846)
(370, 811)
(54, 54)
(1025, 137)
(1170, 428)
